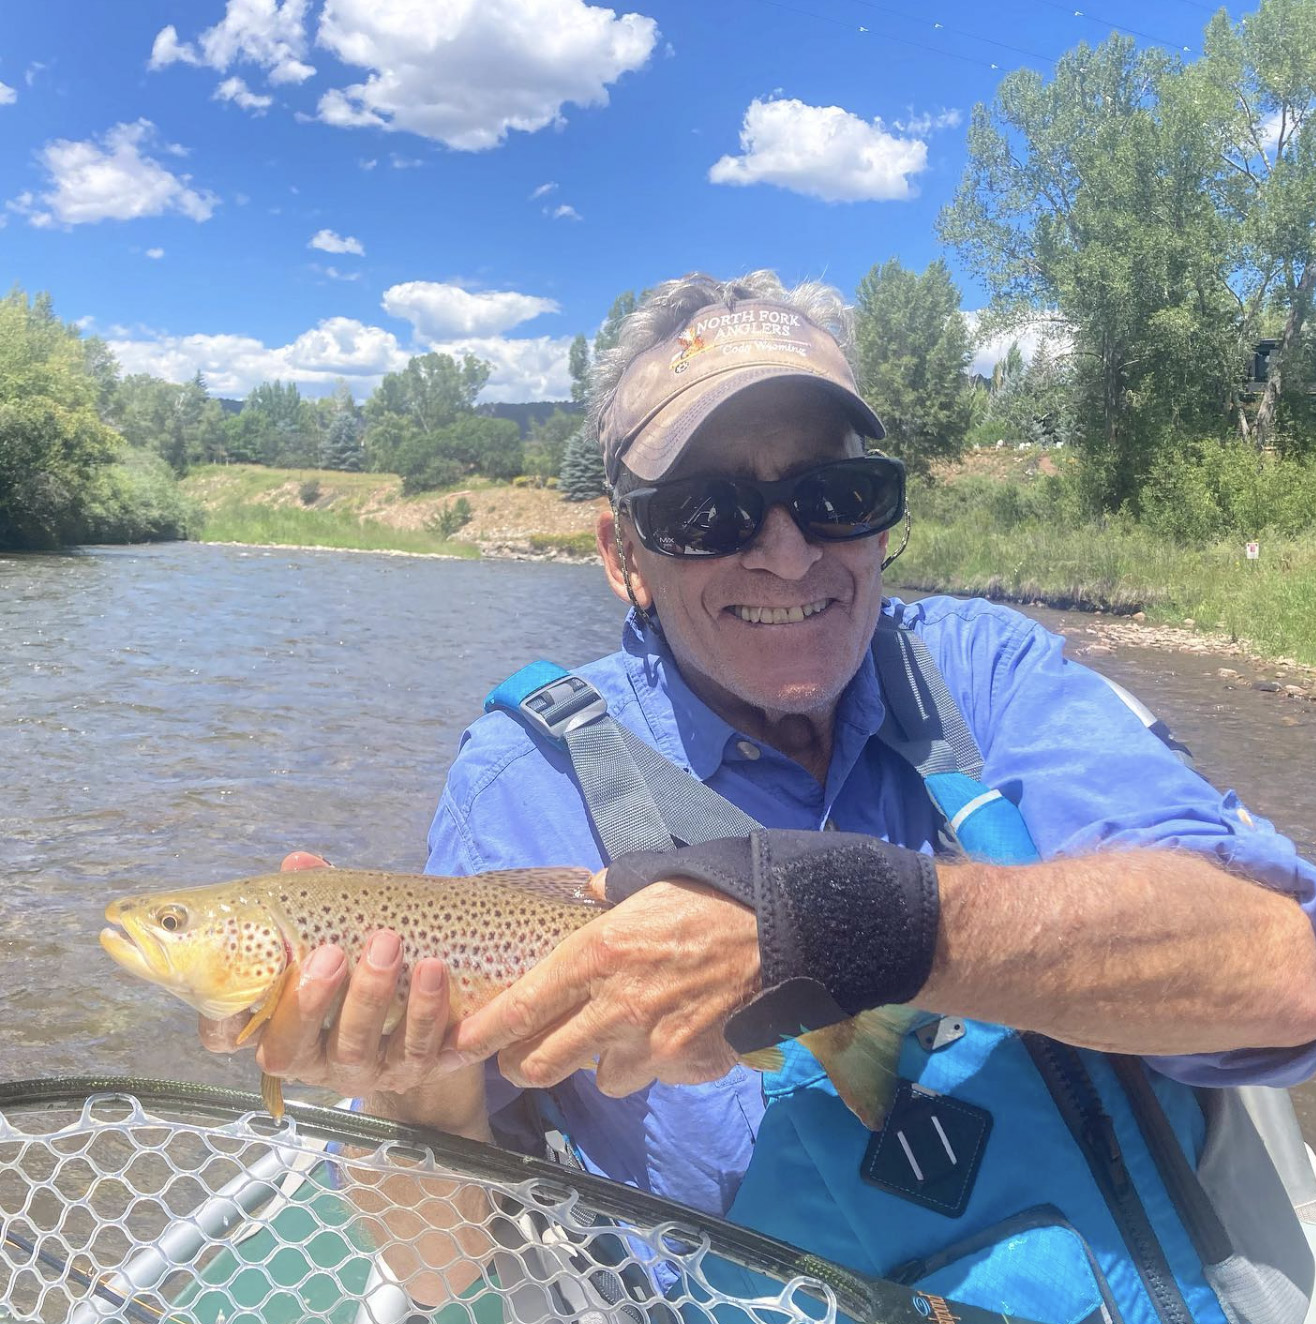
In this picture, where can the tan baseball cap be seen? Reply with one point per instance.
(669, 390)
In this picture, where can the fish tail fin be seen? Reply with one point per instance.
(860, 1057)
(271, 1091)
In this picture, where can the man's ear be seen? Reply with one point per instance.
(605, 533)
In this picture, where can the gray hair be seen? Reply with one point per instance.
(670, 306)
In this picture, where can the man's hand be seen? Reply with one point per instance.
(644, 990)
(398, 1071)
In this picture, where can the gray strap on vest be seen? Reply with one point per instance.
(640, 800)
(923, 723)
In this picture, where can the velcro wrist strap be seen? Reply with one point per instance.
(846, 922)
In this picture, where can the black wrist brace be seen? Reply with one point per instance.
(846, 922)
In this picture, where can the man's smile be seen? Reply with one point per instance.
(768, 615)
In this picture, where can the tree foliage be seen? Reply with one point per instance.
(913, 349)
(1164, 214)
(53, 441)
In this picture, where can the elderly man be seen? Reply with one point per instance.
(749, 531)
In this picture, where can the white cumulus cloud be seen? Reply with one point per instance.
(529, 368)
(543, 190)
(235, 90)
(566, 212)
(155, 252)
(112, 179)
(467, 72)
(339, 347)
(823, 152)
(268, 33)
(329, 242)
(7, 95)
(233, 365)
(440, 311)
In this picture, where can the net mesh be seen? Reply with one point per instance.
(111, 1211)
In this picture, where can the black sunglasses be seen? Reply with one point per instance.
(718, 515)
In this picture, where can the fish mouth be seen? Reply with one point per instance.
(137, 951)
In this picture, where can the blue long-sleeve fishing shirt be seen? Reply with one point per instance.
(1084, 771)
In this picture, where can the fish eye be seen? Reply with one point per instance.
(172, 918)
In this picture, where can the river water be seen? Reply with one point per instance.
(182, 714)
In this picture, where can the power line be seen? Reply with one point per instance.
(972, 36)
(903, 41)
(1110, 23)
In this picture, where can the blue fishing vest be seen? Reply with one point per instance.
(1013, 1172)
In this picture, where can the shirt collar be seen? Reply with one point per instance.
(691, 734)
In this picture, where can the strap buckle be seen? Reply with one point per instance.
(549, 700)
(561, 706)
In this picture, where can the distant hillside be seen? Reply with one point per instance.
(532, 411)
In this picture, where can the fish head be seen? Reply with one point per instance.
(219, 949)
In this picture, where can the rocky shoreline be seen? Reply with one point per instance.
(1281, 676)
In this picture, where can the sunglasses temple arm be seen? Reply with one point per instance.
(904, 541)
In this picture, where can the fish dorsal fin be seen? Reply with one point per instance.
(553, 884)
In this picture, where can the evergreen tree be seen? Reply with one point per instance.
(583, 477)
(342, 445)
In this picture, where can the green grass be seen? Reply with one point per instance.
(1119, 566)
(574, 544)
(294, 526)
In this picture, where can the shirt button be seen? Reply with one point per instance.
(748, 748)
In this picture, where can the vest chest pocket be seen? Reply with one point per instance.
(1034, 1266)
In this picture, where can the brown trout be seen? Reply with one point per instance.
(235, 946)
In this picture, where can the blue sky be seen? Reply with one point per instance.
(311, 189)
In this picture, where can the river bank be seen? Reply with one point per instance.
(1130, 585)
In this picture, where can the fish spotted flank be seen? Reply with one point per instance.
(235, 946)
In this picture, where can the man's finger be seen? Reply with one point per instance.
(292, 1031)
(354, 1041)
(540, 998)
(624, 1070)
(418, 1041)
(221, 1036)
(571, 1045)
(303, 859)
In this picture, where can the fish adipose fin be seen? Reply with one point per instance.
(860, 1057)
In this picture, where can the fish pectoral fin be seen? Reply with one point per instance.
(271, 1091)
(860, 1057)
(264, 1009)
(764, 1059)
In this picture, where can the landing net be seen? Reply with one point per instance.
(148, 1201)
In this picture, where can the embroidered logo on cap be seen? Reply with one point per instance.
(689, 343)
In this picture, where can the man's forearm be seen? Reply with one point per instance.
(1140, 951)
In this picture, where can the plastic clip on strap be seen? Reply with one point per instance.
(622, 779)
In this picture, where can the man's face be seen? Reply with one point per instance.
(799, 666)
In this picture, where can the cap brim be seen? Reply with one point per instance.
(667, 434)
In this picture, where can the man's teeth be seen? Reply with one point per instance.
(778, 615)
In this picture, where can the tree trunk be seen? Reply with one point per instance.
(1292, 329)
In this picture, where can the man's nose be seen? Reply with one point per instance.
(781, 548)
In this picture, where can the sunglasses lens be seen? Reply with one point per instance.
(702, 517)
(844, 501)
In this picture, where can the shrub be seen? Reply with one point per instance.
(1198, 492)
(137, 500)
(309, 491)
(447, 521)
